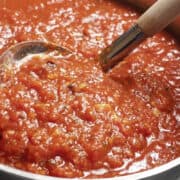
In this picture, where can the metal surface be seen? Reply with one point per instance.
(121, 47)
(20, 52)
(169, 170)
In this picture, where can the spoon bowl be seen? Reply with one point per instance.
(20, 53)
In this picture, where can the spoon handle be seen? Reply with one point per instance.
(156, 18)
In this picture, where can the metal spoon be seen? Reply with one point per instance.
(155, 19)
(20, 53)
(152, 21)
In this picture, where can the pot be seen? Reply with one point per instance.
(169, 170)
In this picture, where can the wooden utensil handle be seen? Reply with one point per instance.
(158, 16)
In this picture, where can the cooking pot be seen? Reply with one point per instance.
(169, 171)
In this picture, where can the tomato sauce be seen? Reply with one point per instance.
(65, 117)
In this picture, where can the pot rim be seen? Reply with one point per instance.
(145, 174)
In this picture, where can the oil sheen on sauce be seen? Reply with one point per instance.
(65, 117)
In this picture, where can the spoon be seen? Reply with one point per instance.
(152, 21)
(155, 19)
(22, 52)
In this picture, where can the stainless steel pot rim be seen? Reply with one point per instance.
(136, 176)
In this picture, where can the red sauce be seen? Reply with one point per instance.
(65, 117)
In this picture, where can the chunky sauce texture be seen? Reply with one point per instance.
(65, 117)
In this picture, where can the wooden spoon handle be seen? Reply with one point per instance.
(152, 21)
(158, 16)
